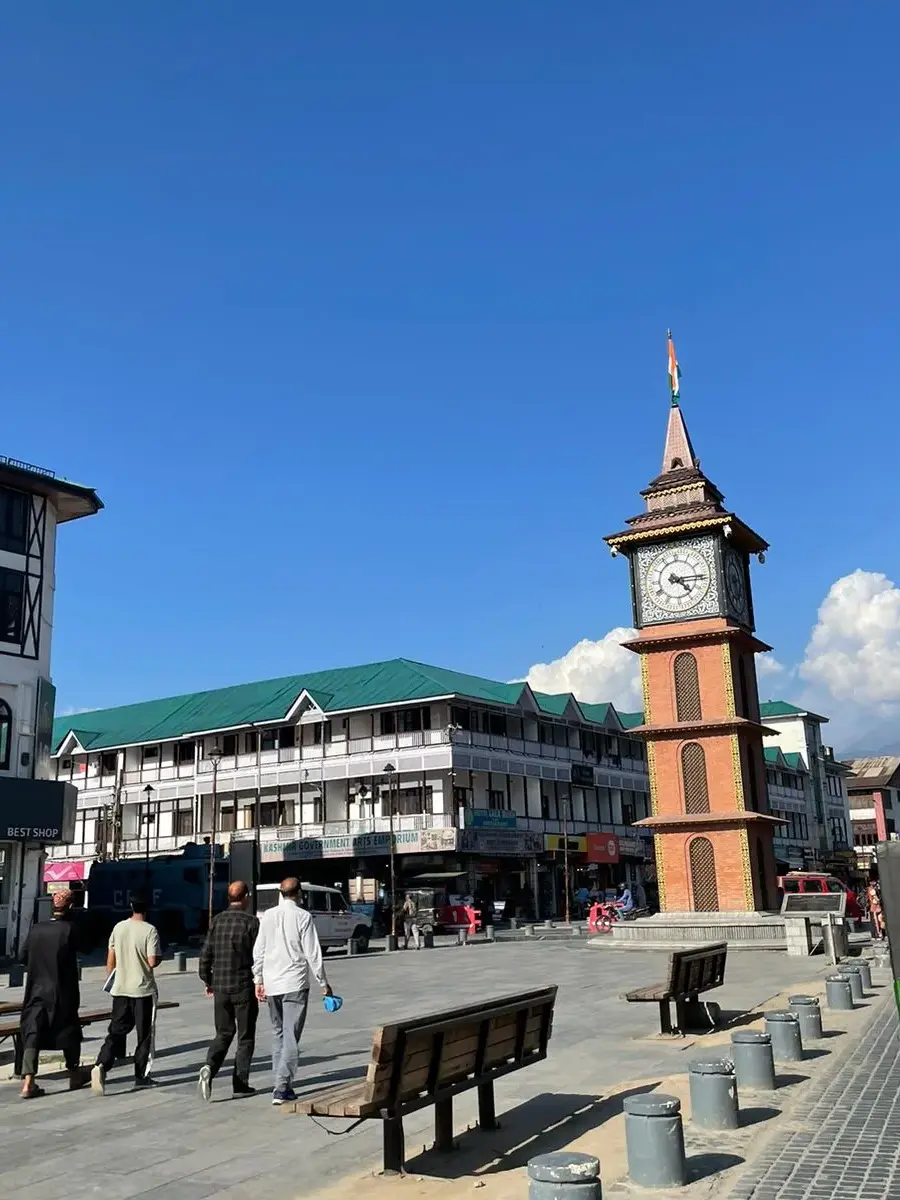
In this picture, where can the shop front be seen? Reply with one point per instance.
(34, 814)
(501, 867)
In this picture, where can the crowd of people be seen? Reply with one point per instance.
(245, 961)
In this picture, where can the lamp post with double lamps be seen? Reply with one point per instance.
(215, 757)
(148, 792)
(390, 770)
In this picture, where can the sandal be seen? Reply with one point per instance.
(33, 1093)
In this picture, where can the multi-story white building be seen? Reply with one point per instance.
(34, 810)
(483, 778)
(806, 774)
(874, 789)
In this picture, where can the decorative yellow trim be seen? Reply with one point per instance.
(745, 871)
(660, 871)
(738, 773)
(729, 680)
(651, 771)
(645, 688)
(647, 535)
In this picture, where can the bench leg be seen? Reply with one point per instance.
(486, 1117)
(681, 1015)
(394, 1148)
(665, 1017)
(443, 1125)
(18, 1054)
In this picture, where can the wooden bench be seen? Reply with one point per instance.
(12, 1029)
(430, 1059)
(690, 973)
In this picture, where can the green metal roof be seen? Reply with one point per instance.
(777, 756)
(598, 713)
(630, 720)
(781, 708)
(396, 681)
(772, 754)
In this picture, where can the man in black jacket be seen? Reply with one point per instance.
(226, 967)
(49, 1018)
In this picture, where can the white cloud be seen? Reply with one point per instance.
(595, 672)
(767, 664)
(853, 654)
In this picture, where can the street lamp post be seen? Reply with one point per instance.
(148, 792)
(390, 770)
(568, 915)
(215, 757)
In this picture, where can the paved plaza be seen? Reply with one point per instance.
(168, 1144)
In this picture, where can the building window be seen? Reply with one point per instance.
(411, 801)
(227, 819)
(184, 822)
(6, 736)
(12, 592)
(693, 774)
(496, 799)
(65, 766)
(287, 737)
(743, 687)
(687, 688)
(251, 741)
(704, 888)
(460, 717)
(13, 521)
(752, 801)
(184, 752)
(109, 763)
(269, 739)
(321, 733)
(149, 754)
(229, 745)
(762, 877)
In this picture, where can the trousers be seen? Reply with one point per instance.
(129, 1012)
(30, 1055)
(234, 1014)
(288, 1016)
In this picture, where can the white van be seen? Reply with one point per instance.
(335, 921)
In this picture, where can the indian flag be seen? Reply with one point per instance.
(674, 370)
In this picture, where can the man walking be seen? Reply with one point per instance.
(49, 1019)
(286, 953)
(134, 954)
(226, 967)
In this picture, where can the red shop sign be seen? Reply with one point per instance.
(602, 848)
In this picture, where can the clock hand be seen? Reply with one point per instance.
(679, 579)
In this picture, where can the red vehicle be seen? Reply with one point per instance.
(819, 881)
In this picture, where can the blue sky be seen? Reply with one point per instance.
(355, 315)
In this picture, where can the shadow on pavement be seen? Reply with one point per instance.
(754, 1116)
(701, 1166)
(548, 1122)
(782, 1081)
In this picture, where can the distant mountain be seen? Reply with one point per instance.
(862, 750)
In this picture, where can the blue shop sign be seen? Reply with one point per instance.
(490, 818)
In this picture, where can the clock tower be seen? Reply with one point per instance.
(690, 583)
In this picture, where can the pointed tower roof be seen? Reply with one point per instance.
(679, 453)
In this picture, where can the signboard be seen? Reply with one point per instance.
(501, 843)
(808, 904)
(37, 810)
(556, 841)
(65, 870)
(406, 841)
(631, 847)
(582, 776)
(490, 818)
(602, 848)
(43, 737)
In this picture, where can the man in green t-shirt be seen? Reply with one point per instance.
(134, 953)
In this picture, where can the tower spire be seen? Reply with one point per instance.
(679, 453)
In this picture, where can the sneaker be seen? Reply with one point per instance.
(205, 1083)
(98, 1080)
(285, 1097)
(242, 1089)
(145, 1081)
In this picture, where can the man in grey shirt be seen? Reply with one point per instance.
(286, 953)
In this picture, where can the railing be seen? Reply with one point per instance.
(26, 466)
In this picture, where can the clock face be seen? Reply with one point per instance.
(736, 585)
(677, 579)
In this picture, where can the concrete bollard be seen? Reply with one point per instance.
(548, 924)
(784, 1030)
(488, 933)
(754, 1065)
(514, 922)
(351, 947)
(865, 974)
(428, 939)
(654, 1141)
(462, 937)
(529, 931)
(576, 931)
(809, 1015)
(714, 1102)
(853, 977)
(180, 961)
(564, 1176)
(838, 994)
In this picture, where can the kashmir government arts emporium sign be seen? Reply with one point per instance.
(357, 845)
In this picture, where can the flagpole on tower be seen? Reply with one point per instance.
(674, 371)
